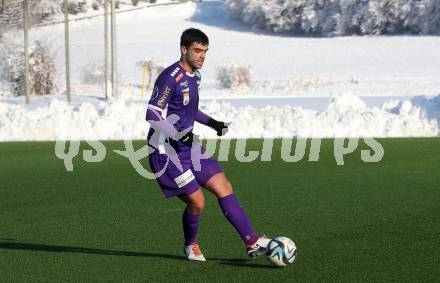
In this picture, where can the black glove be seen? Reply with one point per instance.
(220, 127)
(189, 138)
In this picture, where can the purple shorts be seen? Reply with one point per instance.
(174, 182)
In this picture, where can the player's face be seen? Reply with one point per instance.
(195, 55)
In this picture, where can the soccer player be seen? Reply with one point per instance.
(172, 111)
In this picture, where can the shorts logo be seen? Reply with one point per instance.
(184, 179)
(175, 71)
(164, 97)
(185, 98)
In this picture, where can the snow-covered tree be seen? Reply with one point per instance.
(42, 71)
(339, 17)
(41, 10)
(231, 75)
(350, 17)
(11, 12)
(432, 17)
(42, 68)
(12, 62)
(152, 68)
(11, 15)
(76, 6)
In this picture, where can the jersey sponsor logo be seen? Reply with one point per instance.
(179, 77)
(185, 98)
(176, 70)
(164, 96)
(185, 90)
(184, 84)
(184, 179)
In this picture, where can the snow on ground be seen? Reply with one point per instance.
(306, 87)
(346, 116)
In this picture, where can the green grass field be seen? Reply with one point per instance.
(103, 221)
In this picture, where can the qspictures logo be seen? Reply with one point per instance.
(69, 150)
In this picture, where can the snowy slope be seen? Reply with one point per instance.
(367, 66)
(332, 72)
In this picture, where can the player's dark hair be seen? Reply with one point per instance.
(191, 35)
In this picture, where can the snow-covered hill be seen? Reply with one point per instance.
(280, 65)
(343, 68)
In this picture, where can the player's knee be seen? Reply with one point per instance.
(197, 206)
(228, 187)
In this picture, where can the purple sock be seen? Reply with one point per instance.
(238, 218)
(190, 226)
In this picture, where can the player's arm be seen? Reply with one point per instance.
(156, 112)
(154, 117)
(163, 125)
(220, 127)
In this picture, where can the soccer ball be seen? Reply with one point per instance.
(281, 251)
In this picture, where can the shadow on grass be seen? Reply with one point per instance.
(65, 249)
(244, 263)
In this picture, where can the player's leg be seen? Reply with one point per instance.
(184, 185)
(191, 218)
(220, 186)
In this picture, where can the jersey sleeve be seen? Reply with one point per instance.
(164, 88)
(202, 118)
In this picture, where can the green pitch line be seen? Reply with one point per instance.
(103, 221)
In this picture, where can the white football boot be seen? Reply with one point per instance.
(259, 248)
(192, 252)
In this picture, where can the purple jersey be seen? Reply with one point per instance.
(176, 92)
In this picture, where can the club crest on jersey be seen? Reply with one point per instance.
(184, 84)
(185, 98)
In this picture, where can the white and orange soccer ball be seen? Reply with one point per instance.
(281, 251)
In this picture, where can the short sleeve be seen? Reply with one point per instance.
(164, 87)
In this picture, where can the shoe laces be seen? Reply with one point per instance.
(256, 244)
(196, 250)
